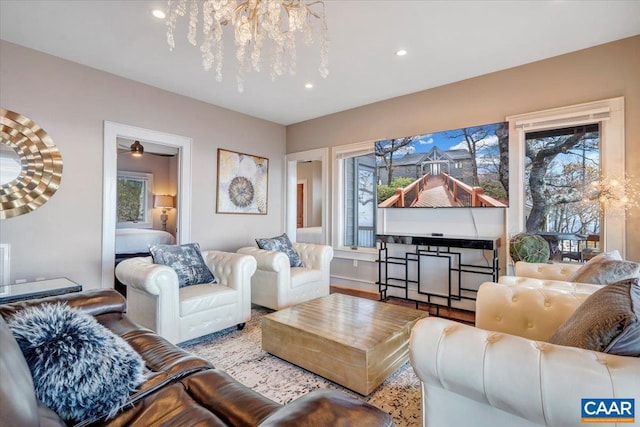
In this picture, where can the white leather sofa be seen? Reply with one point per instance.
(155, 300)
(277, 285)
(546, 271)
(502, 373)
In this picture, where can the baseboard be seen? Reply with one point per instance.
(452, 313)
(354, 292)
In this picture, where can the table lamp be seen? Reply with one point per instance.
(164, 202)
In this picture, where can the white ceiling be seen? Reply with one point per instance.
(447, 41)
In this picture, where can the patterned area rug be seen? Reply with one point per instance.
(239, 353)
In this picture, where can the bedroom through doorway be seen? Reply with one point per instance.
(156, 190)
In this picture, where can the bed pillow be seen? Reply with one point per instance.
(186, 260)
(607, 321)
(606, 268)
(281, 244)
(80, 369)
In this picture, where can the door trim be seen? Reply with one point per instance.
(291, 182)
(112, 131)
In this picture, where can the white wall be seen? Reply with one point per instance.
(71, 102)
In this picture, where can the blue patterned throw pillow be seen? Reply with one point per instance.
(186, 261)
(281, 244)
(80, 369)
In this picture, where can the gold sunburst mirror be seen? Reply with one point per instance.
(30, 165)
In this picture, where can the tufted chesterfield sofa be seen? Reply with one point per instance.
(277, 285)
(544, 271)
(502, 372)
(181, 389)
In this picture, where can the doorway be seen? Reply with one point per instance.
(113, 132)
(291, 182)
(300, 204)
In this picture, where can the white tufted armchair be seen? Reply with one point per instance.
(502, 372)
(155, 300)
(546, 271)
(277, 285)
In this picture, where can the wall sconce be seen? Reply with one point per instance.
(164, 202)
(137, 149)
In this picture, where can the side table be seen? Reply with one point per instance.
(37, 289)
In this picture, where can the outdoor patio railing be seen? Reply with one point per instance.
(467, 195)
(406, 196)
(463, 194)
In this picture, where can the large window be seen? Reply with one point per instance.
(134, 199)
(589, 141)
(561, 166)
(355, 196)
(360, 201)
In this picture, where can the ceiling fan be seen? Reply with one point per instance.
(137, 150)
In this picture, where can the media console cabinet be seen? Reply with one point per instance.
(400, 267)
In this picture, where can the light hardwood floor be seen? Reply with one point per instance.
(462, 316)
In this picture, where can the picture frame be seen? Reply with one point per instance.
(243, 183)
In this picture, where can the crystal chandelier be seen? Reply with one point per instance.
(252, 21)
(616, 194)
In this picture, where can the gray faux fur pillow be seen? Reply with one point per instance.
(605, 269)
(80, 369)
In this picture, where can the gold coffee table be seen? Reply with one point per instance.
(352, 341)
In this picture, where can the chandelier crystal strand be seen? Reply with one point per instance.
(324, 48)
(219, 55)
(207, 36)
(193, 22)
(258, 37)
(253, 21)
(171, 24)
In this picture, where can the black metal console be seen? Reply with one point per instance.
(408, 250)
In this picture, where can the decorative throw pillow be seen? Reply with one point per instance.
(80, 368)
(281, 244)
(607, 321)
(186, 261)
(605, 269)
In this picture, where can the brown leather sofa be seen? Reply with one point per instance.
(182, 389)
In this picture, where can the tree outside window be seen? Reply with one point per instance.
(560, 165)
(134, 199)
(360, 200)
(130, 200)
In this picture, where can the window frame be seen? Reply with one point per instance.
(147, 178)
(338, 154)
(610, 114)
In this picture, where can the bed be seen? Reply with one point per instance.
(137, 240)
(309, 235)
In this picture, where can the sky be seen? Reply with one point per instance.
(444, 141)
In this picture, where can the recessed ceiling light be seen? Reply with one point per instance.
(401, 52)
(158, 13)
(309, 85)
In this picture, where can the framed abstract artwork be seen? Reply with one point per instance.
(242, 183)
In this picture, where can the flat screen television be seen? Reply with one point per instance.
(466, 167)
